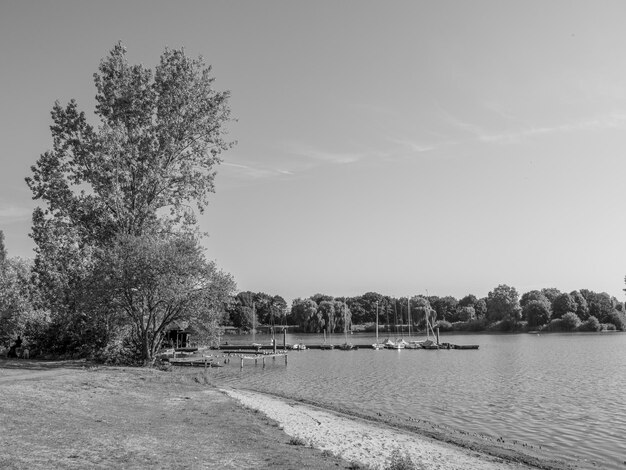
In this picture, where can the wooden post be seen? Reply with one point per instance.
(437, 334)
(205, 363)
(263, 362)
(256, 361)
(274, 344)
(285, 358)
(241, 362)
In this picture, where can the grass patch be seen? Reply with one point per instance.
(296, 441)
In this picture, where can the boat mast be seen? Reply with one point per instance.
(377, 322)
(408, 304)
(345, 326)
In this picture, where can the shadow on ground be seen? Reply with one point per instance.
(39, 364)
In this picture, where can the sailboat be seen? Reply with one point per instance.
(412, 344)
(377, 345)
(346, 346)
(398, 344)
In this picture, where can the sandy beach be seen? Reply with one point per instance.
(364, 442)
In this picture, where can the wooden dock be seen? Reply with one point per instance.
(267, 350)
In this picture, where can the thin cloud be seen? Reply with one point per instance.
(337, 158)
(253, 172)
(616, 120)
(414, 146)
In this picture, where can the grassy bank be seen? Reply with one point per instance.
(71, 415)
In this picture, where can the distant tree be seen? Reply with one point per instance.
(326, 308)
(343, 316)
(503, 304)
(465, 313)
(445, 307)
(582, 308)
(562, 304)
(423, 311)
(533, 295)
(618, 319)
(600, 304)
(551, 293)
(570, 321)
(481, 308)
(536, 312)
(318, 298)
(306, 315)
(590, 324)
(468, 301)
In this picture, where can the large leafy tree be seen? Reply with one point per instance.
(562, 304)
(140, 169)
(155, 280)
(159, 139)
(536, 312)
(503, 304)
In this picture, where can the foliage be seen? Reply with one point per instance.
(297, 441)
(3, 250)
(306, 315)
(152, 157)
(550, 293)
(160, 137)
(590, 324)
(401, 461)
(503, 304)
(562, 304)
(155, 281)
(536, 312)
(465, 313)
(533, 295)
(582, 308)
(570, 321)
(445, 307)
(618, 319)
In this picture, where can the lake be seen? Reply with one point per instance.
(563, 392)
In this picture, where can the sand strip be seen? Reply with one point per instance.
(364, 442)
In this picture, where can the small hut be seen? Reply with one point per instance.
(177, 335)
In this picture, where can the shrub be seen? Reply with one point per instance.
(297, 441)
(400, 461)
(618, 319)
(608, 327)
(570, 321)
(591, 324)
(554, 325)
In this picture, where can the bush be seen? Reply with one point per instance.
(554, 325)
(591, 324)
(570, 321)
(618, 319)
(296, 441)
(608, 327)
(400, 461)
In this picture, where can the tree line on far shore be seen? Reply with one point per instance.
(503, 310)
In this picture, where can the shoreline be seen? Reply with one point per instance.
(370, 439)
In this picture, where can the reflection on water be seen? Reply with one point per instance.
(563, 392)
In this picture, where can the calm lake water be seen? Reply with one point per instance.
(565, 392)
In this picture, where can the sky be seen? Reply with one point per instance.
(401, 147)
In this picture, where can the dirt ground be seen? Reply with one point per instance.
(69, 414)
